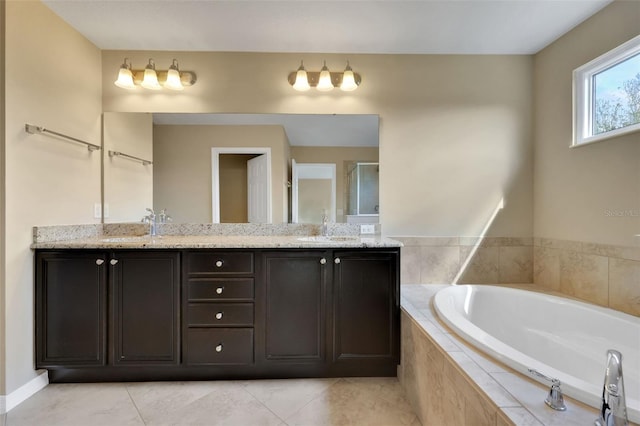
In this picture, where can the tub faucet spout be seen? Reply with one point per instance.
(613, 411)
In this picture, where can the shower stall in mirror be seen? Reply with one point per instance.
(363, 204)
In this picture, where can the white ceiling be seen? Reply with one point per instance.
(333, 26)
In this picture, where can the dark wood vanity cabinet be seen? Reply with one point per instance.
(217, 313)
(97, 308)
(366, 311)
(145, 308)
(71, 309)
(218, 305)
(333, 311)
(296, 308)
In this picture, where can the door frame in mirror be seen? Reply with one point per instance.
(215, 177)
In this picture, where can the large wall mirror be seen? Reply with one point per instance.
(235, 168)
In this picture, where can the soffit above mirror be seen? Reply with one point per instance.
(346, 130)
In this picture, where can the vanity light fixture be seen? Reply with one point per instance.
(152, 79)
(348, 83)
(324, 80)
(125, 76)
(301, 82)
(173, 77)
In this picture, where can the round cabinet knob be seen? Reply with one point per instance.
(99, 262)
(323, 261)
(219, 290)
(219, 347)
(113, 262)
(336, 260)
(219, 263)
(219, 315)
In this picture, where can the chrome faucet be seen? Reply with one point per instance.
(151, 220)
(325, 221)
(613, 411)
(163, 217)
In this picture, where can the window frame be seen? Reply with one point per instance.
(583, 92)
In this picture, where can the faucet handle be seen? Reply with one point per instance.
(555, 399)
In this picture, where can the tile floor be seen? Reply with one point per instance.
(348, 401)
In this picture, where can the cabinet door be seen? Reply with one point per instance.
(145, 307)
(70, 309)
(296, 305)
(366, 305)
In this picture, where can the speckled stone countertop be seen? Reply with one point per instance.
(217, 241)
(132, 236)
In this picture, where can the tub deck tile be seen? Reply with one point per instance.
(520, 416)
(519, 399)
(532, 394)
(488, 384)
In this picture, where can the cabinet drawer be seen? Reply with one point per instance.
(220, 289)
(220, 346)
(220, 314)
(219, 263)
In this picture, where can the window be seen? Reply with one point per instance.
(606, 94)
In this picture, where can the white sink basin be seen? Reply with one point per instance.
(330, 239)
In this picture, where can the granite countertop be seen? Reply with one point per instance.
(218, 241)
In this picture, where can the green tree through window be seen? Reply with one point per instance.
(617, 96)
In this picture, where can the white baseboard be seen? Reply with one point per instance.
(8, 402)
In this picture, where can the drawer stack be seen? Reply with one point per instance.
(219, 312)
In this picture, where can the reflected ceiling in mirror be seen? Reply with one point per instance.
(322, 130)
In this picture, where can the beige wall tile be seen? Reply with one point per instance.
(428, 241)
(624, 286)
(561, 244)
(410, 265)
(516, 264)
(454, 401)
(439, 265)
(478, 410)
(482, 267)
(584, 276)
(546, 267)
(496, 241)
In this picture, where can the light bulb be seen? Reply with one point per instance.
(125, 76)
(302, 82)
(173, 77)
(150, 80)
(324, 82)
(348, 80)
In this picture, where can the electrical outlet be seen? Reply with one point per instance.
(367, 229)
(97, 211)
(106, 210)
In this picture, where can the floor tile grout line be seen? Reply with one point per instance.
(313, 399)
(133, 401)
(244, 388)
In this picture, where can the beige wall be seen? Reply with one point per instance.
(128, 184)
(574, 188)
(582, 247)
(52, 80)
(458, 125)
(337, 156)
(3, 320)
(182, 166)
